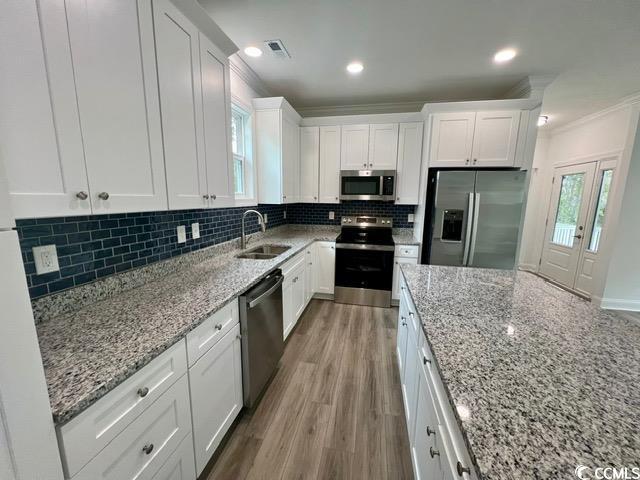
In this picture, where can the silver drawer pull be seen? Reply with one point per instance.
(430, 432)
(103, 196)
(148, 448)
(425, 360)
(82, 195)
(219, 326)
(142, 392)
(206, 197)
(462, 469)
(433, 453)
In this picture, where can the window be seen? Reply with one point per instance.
(568, 209)
(598, 219)
(239, 147)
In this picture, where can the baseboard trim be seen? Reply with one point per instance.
(620, 304)
(528, 267)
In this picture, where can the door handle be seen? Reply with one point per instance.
(577, 236)
(467, 237)
(474, 233)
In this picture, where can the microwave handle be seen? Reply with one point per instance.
(381, 187)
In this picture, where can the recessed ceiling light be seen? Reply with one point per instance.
(505, 55)
(542, 120)
(253, 51)
(355, 67)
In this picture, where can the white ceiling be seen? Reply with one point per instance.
(433, 50)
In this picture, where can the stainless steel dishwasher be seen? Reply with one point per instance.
(262, 338)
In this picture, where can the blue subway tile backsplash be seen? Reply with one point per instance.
(92, 247)
(318, 213)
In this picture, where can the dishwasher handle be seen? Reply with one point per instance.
(257, 301)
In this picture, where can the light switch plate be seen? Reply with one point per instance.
(46, 259)
(195, 230)
(332, 215)
(410, 218)
(182, 234)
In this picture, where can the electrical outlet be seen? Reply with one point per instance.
(182, 234)
(410, 218)
(285, 214)
(46, 259)
(195, 230)
(332, 215)
(266, 219)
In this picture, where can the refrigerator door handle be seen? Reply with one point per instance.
(467, 237)
(474, 234)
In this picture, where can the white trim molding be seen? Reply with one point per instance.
(363, 109)
(530, 87)
(246, 73)
(620, 304)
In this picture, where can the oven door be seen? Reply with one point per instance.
(367, 185)
(363, 276)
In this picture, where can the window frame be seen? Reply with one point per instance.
(249, 196)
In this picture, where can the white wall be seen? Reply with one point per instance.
(597, 136)
(622, 285)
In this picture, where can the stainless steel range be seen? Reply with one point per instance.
(364, 261)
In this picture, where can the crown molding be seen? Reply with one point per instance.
(532, 86)
(246, 73)
(625, 102)
(362, 109)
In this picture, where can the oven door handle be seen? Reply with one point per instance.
(365, 246)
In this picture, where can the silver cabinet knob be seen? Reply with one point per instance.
(103, 196)
(238, 337)
(475, 160)
(364, 164)
(397, 198)
(462, 469)
(218, 326)
(315, 198)
(142, 392)
(82, 195)
(148, 448)
(214, 196)
(434, 453)
(430, 432)
(336, 198)
(206, 197)
(425, 360)
(466, 161)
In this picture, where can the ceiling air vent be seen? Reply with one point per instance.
(276, 47)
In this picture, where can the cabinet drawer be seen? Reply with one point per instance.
(84, 436)
(293, 263)
(180, 465)
(207, 334)
(143, 447)
(409, 251)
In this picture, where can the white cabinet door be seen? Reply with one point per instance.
(216, 109)
(397, 275)
(383, 146)
(326, 267)
(299, 291)
(269, 141)
(401, 338)
(354, 150)
(309, 164)
(494, 139)
(290, 160)
(424, 440)
(288, 319)
(180, 465)
(329, 164)
(451, 139)
(409, 162)
(310, 272)
(40, 139)
(113, 51)
(412, 371)
(216, 394)
(180, 94)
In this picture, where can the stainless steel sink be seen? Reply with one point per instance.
(264, 252)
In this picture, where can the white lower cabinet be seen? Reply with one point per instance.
(310, 272)
(216, 394)
(181, 464)
(438, 450)
(146, 444)
(293, 292)
(403, 254)
(326, 267)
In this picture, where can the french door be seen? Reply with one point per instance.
(576, 222)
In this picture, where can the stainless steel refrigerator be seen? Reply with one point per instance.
(475, 217)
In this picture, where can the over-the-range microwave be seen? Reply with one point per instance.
(367, 185)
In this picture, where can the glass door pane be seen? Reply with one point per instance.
(598, 218)
(568, 209)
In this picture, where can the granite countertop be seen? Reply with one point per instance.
(88, 352)
(405, 238)
(549, 380)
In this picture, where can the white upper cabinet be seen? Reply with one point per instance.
(409, 161)
(180, 89)
(468, 139)
(494, 140)
(40, 139)
(195, 98)
(112, 47)
(452, 139)
(277, 150)
(216, 106)
(309, 164)
(329, 185)
(354, 150)
(383, 146)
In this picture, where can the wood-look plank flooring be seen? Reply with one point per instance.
(334, 408)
